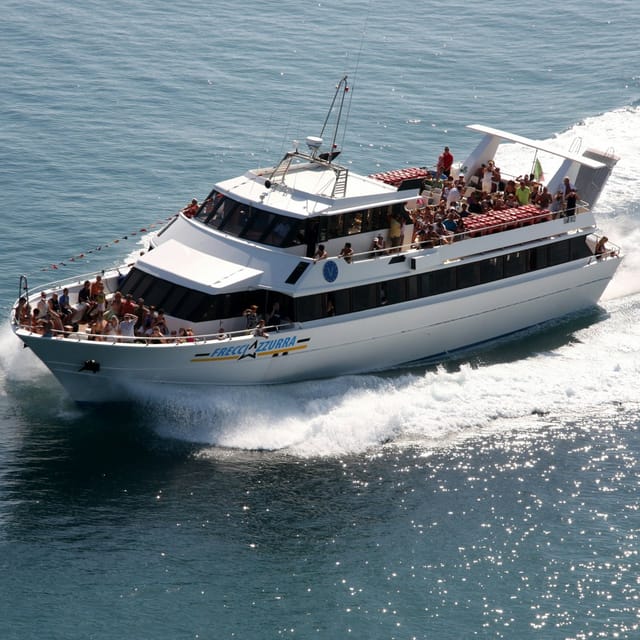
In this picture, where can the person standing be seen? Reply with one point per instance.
(445, 161)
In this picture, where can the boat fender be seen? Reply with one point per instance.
(267, 184)
(90, 365)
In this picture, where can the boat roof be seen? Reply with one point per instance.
(307, 190)
(536, 144)
(190, 267)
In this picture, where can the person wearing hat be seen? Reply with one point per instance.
(251, 314)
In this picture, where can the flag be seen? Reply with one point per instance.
(538, 173)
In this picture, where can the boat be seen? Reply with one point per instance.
(307, 270)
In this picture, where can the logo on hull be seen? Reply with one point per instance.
(257, 349)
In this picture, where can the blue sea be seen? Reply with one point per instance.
(494, 496)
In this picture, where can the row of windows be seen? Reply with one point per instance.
(255, 224)
(428, 284)
(195, 306)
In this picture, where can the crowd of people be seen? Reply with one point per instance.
(101, 318)
(443, 221)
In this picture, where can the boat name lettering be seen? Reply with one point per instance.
(267, 345)
(280, 343)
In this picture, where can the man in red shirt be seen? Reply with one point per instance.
(444, 163)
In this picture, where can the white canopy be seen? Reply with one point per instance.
(180, 264)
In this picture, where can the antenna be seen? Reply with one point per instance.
(339, 96)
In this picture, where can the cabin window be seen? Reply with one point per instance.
(396, 290)
(468, 275)
(579, 248)
(490, 269)
(515, 263)
(559, 252)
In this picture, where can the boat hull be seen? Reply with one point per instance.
(96, 372)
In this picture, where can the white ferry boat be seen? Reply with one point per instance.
(250, 252)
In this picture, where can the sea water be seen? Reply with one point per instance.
(494, 496)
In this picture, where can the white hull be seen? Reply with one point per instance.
(377, 340)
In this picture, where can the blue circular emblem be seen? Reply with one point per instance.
(330, 271)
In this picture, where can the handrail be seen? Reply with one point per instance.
(81, 336)
(543, 216)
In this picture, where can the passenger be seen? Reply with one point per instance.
(445, 161)
(523, 193)
(35, 321)
(56, 321)
(510, 189)
(112, 326)
(85, 304)
(377, 246)
(274, 316)
(396, 228)
(454, 195)
(487, 178)
(320, 254)
(43, 306)
(190, 335)
(601, 250)
(346, 253)
(156, 335)
(207, 208)
(160, 323)
(21, 312)
(510, 201)
(99, 298)
(544, 198)
(98, 327)
(450, 223)
(557, 205)
(191, 209)
(115, 306)
(251, 315)
(222, 335)
(96, 287)
(443, 234)
(496, 178)
(570, 202)
(128, 305)
(474, 202)
(127, 326)
(567, 187)
(260, 330)
(65, 305)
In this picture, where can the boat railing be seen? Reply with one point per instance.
(476, 225)
(84, 333)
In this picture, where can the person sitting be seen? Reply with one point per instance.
(346, 253)
(260, 330)
(64, 303)
(450, 223)
(21, 312)
(191, 209)
(600, 250)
